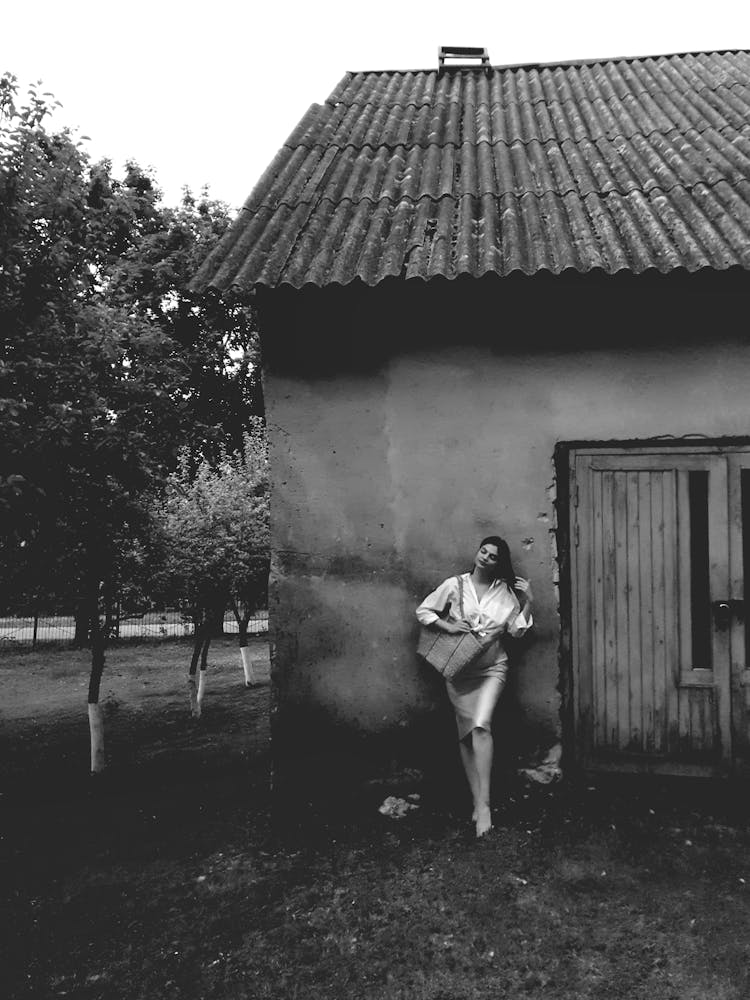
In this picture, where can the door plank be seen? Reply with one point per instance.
(621, 609)
(671, 609)
(608, 707)
(683, 746)
(634, 623)
(646, 610)
(681, 718)
(589, 576)
(661, 718)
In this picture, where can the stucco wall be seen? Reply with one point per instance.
(387, 473)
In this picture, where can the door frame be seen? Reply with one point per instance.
(563, 508)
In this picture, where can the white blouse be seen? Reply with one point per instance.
(497, 610)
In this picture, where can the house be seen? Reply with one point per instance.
(511, 300)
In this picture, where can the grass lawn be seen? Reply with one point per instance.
(173, 877)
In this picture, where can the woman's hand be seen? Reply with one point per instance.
(453, 628)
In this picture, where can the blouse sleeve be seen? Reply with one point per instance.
(434, 604)
(520, 625)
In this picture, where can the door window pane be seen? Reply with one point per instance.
(700, 589)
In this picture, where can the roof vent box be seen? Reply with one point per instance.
(452, 57)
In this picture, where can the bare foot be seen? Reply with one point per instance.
(483, 821)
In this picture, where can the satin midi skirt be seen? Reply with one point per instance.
(477, 689)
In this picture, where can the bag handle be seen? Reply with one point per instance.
(461, 597)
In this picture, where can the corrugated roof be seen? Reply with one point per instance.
(625, 164)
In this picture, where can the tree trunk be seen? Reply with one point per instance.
(192, 688)
(201, 688)
(96, 734)
(247, 662)
(203, 669)
(96, 722)
(201, 643)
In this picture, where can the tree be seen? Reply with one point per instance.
(107, 367)
(214, 528)
(217, 335)
(84, 383)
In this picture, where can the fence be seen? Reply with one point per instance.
(38, 629)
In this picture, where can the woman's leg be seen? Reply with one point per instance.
(482, 747)
(477, 747)
(476, 756)
(467, 759)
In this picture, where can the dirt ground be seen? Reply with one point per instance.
(173, 877)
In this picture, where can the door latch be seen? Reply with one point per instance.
(723, 611)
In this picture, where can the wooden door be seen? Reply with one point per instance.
(656, 644)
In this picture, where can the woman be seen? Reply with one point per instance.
(495, 600)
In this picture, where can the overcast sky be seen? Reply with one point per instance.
(207, 92)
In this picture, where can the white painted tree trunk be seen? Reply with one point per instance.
(247, 666)
(195, 708)
(96, 730)
(201, 689)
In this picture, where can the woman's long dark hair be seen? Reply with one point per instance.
(505, 569)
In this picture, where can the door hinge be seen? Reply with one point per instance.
(576, 535)
(575, 495)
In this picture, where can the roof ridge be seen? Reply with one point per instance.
(536, 99)
(557, 63)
